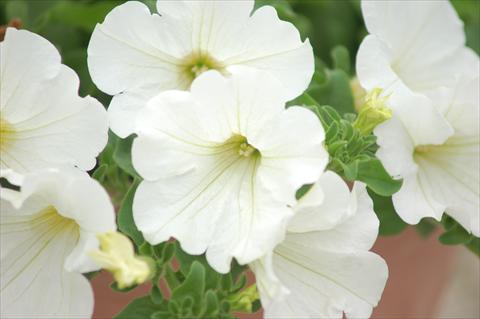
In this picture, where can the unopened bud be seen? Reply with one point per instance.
(117, 255)
(373, 112)
(243, 300)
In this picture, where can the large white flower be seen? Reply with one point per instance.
(323, 267)
(440, 177)
(221, 163)
(135, 55)
(416, 53)
(43, 121)
(46, 230)
(415, 48)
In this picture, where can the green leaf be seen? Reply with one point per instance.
(145, 249)
(304, 100)
(123, 155)
(99, 173)
(125, 216)
(455, 236)
(390, 222)
(194, 284)
(139, 308)
(376, 177)
(211, 304)
(335, 91)
(168, 252)
(162, 315)
(426, 227)
(256, 306)
(82, 15)
(226, 282)
(341, 58)
(156, 295)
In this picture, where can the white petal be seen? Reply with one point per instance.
(33, 280)
(18, 62)
(53, 125)
(324, 206)
(451, 173)
(325, 284)
(463, 109)
(374, 70)
(268, 284)
(358, 231)
(124, 109)
(396, 148)
(242, 104)
(173, 136)
(218, 208)
(79, 259)
(292, 152)
(424, 37)
(133, 48)
(373, 64)
(321, 274)
(269, 44)
(75, 195)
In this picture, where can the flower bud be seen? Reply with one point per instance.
(243, 300)
(117, 255)
(373, 112)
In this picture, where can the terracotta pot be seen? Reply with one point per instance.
(419, 270)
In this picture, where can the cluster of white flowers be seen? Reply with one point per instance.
(416, 54)
(204, 85)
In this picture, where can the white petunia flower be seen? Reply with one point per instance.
(416, 53)
(441, 177)
(43, 121)
(324, 267)
(134, 54)
(46, 230)
(221, 163)
(415, 48)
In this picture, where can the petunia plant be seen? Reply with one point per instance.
(234, 156)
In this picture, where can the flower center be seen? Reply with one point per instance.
(55, 218)
(6, 133)
(246, 149)
(195, 64)
(241, 146)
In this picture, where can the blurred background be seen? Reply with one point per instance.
(427, 279)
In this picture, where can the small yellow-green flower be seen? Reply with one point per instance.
(117, 255)
(243, 300)
(373, 112)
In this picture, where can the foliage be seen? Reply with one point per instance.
(197, 291)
